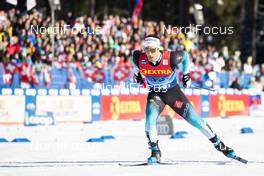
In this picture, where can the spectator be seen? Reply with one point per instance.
(30, 54)
(235, 84)
(248, 66)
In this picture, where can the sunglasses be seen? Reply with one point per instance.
(152, 50)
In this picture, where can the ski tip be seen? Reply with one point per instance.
(242, 160)
(232, 155)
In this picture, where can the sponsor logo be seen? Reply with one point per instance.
(31, 106)
(96, 108)
(205, 106)
(118, 107)
(156, 72)
(225, 105)
(40, 120)
(185, 110)
(165, 62)
(178, 104)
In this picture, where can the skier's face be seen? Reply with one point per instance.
(152, 53)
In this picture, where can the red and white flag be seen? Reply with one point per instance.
(47, 76)
(7, 78)
(120, 73)
(88, 72)
(72, 79)
(196, 76)
(98, 76)
(34, 80)
(25, 73)
(10, 70)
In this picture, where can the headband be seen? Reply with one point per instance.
(151, 41)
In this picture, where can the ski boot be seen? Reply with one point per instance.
(155, 153)
(220, 146)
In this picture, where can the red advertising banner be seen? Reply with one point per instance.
(134, 106)
(228, 105)
(123, 107)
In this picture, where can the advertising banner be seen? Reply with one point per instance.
(134, 106)
(12, 109)
(96, 108)
(228, 105)
(205, 106)
(123, 107)
(33, 117)
(66, 108)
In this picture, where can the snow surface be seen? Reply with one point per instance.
(62, 150)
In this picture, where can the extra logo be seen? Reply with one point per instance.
(121, 107)
(225, 105)
(143, 62)
(178, 104)
(156, 72)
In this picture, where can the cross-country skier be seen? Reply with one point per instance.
(159, 70)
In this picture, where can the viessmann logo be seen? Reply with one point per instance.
(118, 107)
(155, 72)
(225, 105)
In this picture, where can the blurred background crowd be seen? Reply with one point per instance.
(79, 60)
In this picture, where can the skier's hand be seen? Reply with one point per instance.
(138, 78)
(186, 79)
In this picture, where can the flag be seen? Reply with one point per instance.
(9, 70)
(137, 11)
(25, 73)
(87, 72)
(98, 76)
(196, 76)
(255, 99)
(31, 4)
(121, 73)
(13, 2)
(71, 79)
(7, 78)
(34, 80)
(127, 70)
(47, 77)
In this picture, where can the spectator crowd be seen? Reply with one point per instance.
(28, 58)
